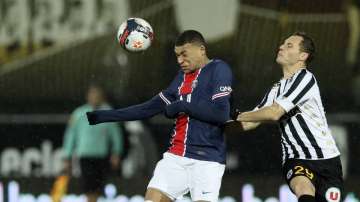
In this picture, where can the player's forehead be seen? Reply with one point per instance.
(293, 40)
(184, 48)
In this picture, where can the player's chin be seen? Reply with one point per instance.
(279, 61)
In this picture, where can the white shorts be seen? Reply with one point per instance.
(176, 175)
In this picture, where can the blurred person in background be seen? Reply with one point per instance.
(95, 146)
(311, 159)
(341, 136)
(199, 101)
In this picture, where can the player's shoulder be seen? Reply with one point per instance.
(305, 72)
(220, 65)
(311, 78)
(301, 74)
(219, 62)
(81, 109)
(179, 76)
(308, 72)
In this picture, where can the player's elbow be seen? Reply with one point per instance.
(221, 114)
(275, 117)
(223, 121)
(276, 112)
(218, 118)
(223, 118)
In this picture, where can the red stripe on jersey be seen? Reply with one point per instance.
(178, 142)
(186, 87)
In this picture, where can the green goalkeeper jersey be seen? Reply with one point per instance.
(84, 140)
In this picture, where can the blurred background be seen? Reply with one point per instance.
(52, 50)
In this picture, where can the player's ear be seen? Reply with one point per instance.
(304, 56)
(203, 49)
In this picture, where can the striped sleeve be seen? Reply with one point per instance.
(169, 94)
(164, 98)
(299, 91)
(264, 102)
(222, 82)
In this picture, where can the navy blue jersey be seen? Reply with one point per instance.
(199, 102)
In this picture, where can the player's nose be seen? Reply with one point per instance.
(180, 60)
(281, 47)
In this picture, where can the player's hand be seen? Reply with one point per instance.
(234, 114)
(91, 117)
(172, 110)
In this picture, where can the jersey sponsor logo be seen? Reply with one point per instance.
(333, 194)
(225, 88)
(289, 174)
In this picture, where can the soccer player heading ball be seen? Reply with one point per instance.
(198, 100)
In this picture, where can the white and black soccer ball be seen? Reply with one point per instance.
(135, 34)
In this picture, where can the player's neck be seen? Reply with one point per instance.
(204, 62)
(289, 71)
(201, 64)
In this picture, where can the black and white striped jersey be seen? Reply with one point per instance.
(304, 130)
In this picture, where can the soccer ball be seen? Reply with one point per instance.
(135, 34)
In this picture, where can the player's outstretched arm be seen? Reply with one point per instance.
(135, 112)
(265, 114)
(240, 125)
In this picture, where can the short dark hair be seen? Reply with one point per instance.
(190, 36)
(307, 45)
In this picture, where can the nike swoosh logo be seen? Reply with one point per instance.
(205, 192)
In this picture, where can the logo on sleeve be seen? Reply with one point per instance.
(333, 194)
(225, 88)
